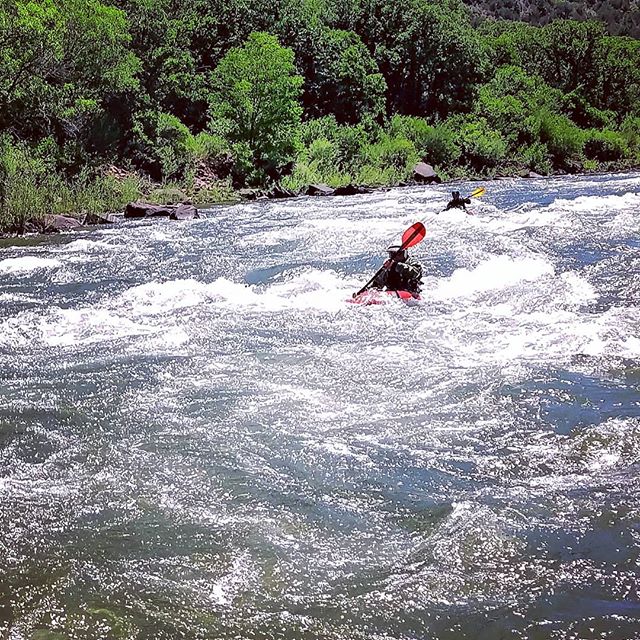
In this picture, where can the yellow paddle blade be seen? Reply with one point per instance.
(476, 193)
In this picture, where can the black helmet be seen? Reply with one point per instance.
(455, 194)
(395, 250)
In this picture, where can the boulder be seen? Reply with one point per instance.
(145, 210)
(351, 190)
(184, 212)
(425, 174)
(280, 192)
(533, 174)
(319, 190)
(99, 218)
(248, 194)
(57, 223)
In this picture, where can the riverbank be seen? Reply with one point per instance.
(105, 201)
(163, 201)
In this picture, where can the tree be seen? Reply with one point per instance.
(618, 76)
(510, 101)
(60, 63)
(344, 79)
(161, 144)
(255, 99)
(429, 54)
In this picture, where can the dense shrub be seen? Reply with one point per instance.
(604, 145)
(537, 158)
(31, 188)
(394, 153)
(482, 147)
(563, 138)
(162, 145)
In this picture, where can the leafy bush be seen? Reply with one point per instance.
(207, 146)
(322, 154)
(256, 91)
(576, 106)
(325, 127)
(379, 176)
(435, 144)
(536, 157)
(31, 189)
(350, 143)
(563, 138)
(630, 131)
(604, 145)
(482, 147)
(418, 130)
(345, 80)
(162, 145)
(394, 153)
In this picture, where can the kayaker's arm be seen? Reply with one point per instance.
(380, 281)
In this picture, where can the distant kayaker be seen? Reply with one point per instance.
(401, 272)
(458, 203)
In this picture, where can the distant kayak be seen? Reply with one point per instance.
(375, 296)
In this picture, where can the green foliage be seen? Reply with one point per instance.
(563, 138)
(350, 145)
(482, 147)
(435, 144)
(205, 94)
(605, 146)
(617, 83)
(30, 188)
(428, 53)
(162, 145)
(576, 106)
(576, 57)
(65, 58)
(344, 79)
(205, 146)
(394, 153)
(630, 131)
(322, 154)
(536, 157)
(255, 93)
(325, 127)
(510, 101)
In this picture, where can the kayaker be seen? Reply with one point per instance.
(401, 273)
(457, 202)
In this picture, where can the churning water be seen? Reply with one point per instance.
(199, 437)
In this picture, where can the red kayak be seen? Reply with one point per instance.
(375, 296)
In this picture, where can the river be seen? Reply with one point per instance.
(200, 438)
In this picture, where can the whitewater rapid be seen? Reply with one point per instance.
(200, 437)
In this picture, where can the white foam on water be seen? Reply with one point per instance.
(66, 327)
(86, 246)
(27, 264)
(576, 289)
(309, 289)
(312, 289)
(156, 298)
(498, 272)
(20, 297)
(588, 204)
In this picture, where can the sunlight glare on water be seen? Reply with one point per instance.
(201, 438)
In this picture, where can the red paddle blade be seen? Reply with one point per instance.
(413, 235)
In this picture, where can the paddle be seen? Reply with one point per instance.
(411, 237)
